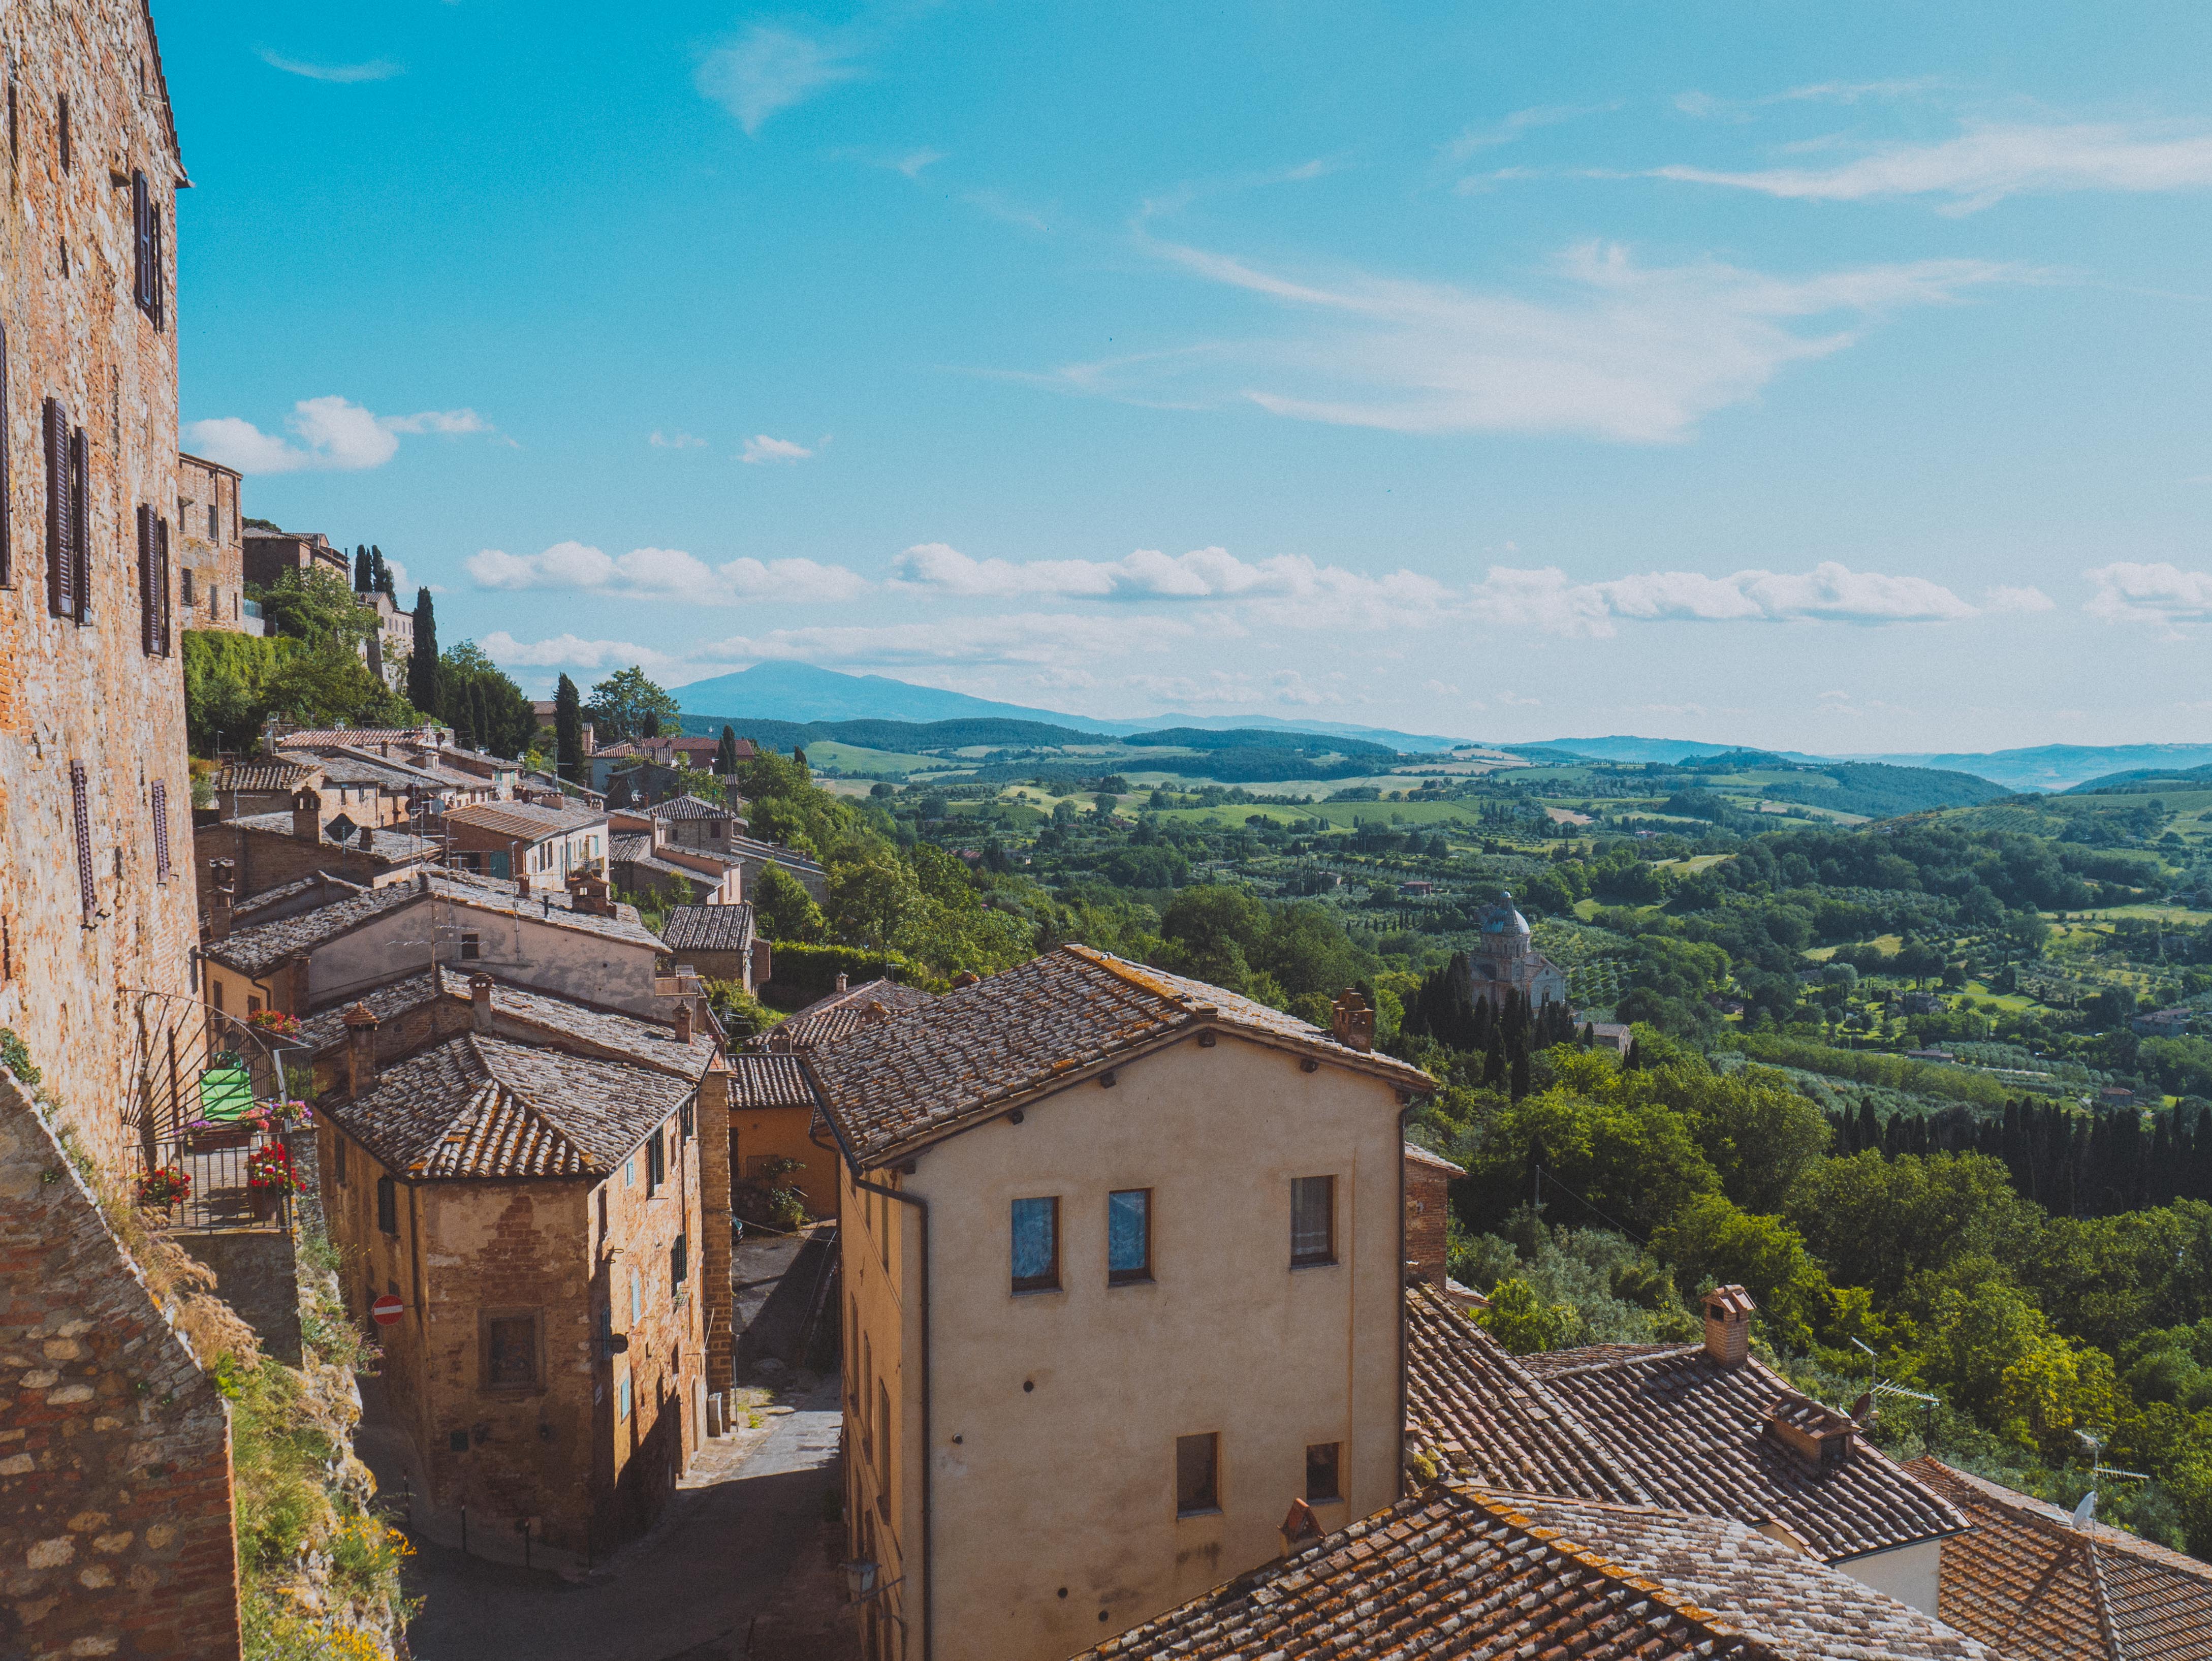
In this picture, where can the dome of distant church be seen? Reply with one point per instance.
(1501, 917)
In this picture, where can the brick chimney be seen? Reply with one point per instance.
(1729, 1310)
(307, 816)
(361, 1050)
(966, 977)
(1353, 1021)
(480, 1002)
(841, 980)
(222, 881)
(684, 1021)
(1428, 1205)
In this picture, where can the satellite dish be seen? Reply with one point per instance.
(2086, 1513)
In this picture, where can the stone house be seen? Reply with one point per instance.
(693, 823)
(210, 551)
(638, 863)
(748, 855)
(527, 1178)
(270, 552)
(387, 650)
(247, 789)
(96, 912)
(719, 942)
(1508, 962)
(535, 847)
(235, 860)
(502, 773)
(1122, 1270)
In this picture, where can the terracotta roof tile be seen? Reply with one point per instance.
(688, 806)
(763, 1079)
(970, 1054)
(387, 843)
(264, 776)
(707, 928)
(2027, 1582)
(522, 818)
(828, 1020)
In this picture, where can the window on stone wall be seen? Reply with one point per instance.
(338, 1147)
(60, 564)
(185, 587)
(146, 240)
(1313, 1222)
(472, 947)
(510, 1349)
(1198, 1464)
(679, 1266)
(387, 1206)
(656, 1165)
(153, 583)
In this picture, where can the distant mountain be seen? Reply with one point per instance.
(801, 694)
(2144, 780)
(2061, 766)
(1624, 748)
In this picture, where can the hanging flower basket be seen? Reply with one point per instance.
(274, 1024)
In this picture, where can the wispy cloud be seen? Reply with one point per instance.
(571, 652)
(769, 68)
(1989, 161)
(761, 450)
(1613, 349)
(334, 435)
(377, 68)
(1025, 638)
(662, 573)
(679, 440)
(1706, 106)
(1548, 599)
(2162, 595)
(1519, 122)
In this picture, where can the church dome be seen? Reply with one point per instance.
(1501, 917)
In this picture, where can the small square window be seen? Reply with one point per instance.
(1313, 1220)
(472, 947)
(1198, 1485)
(1036, 1244)
(1321, 1480)
(1128, 1235)
(387, 1206)
(510, 1352)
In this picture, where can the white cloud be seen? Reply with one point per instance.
(1989, 161)
(334, 436)
(569, 652)
(2162, 594)
(344, 74)
(662, 573)
(2002, 598)
(770, 69)
(1549, 600)
(913, 162)
(1028, 637)
(761, 449)
(1704, 105)
(1618, 351)
(661, 441)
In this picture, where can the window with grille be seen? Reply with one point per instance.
(1036, 1244)
(61, 545)
(1313, 1220)
(679, 1266)
(81, 822)
(160, 794)
(153, 582)
(510, 1350)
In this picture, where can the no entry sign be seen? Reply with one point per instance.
(386, 1308)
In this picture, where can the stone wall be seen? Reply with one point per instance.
(1428, 1211)
(115, 1476)
(86, 692)
(209, 546)
(265, 860)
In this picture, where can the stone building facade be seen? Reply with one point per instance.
(1508, 961)
(210, 548)
(270, 552)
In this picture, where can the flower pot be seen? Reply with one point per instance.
(209, 1142)
(265, 1203)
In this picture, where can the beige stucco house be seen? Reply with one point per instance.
(1122, 1258)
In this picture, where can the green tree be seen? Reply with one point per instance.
(316, 605)
(869, 897)
(568, 730)
(1521, 1322)
(725, 753)
(786, 911)
(422, 666)
(629, 705)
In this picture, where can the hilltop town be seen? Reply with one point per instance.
(488, 1176)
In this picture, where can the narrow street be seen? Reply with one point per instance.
(738, 1568)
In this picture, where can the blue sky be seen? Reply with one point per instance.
(1826, 377)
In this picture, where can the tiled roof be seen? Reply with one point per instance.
(314, 737)
(2027, 1582)
(707, 928)
(332, 889)
(1420, 1155)
(1471, 1408)
(774, 853)
(761, 1079)
(840, 1015)
(496, 895)
(976, 1050)
(1687, 1430)
(1762, 1587)
(1454, 1572)
(481, 758)
(637, 852)
(264, 776)
(259, 947)
(522, 818)
(477, 1106)
(688, 806)
(387, 842)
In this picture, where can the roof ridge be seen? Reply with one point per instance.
(521, 1096)
(1134, 975)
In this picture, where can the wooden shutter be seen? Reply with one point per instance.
(161, 830)
(141, 241)
(61, 594)
(146, 579)
(161, 579)
(80, 521)
(155, 294)
(80, 818)
(7, 478)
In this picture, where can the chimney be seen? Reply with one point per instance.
(841, 980)
(1729, 1310)
(762, 965)
(222, 877)
(966, 977)
(1428, 1209)
(307, 816)
(480, 1002)
(1353, 1021)
(1300, 1525)
(684, 1021)
(361, 1050)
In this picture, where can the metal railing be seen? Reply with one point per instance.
(221, 1195)
(194, 1065)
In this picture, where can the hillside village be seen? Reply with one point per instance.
(483, 1176)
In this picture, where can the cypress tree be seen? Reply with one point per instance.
(568, 730)
(1518, 1084)
(360, 572)
(480, 712)
(726, 758)
(1869, 1126)
(422, 667)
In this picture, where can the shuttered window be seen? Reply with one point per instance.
(161, 830)
(81, 821)
(161, 580)
(61, 565)
(146, 244)
(7, 478)
(80, 521)
(153, 582)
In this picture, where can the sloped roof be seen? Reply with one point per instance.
(1475, 1411)
(1419, 1155)
(256, 948)
(761, 1078)
(707, 928)
(637, 851)
(259, 776)
(477, 1106)
(331, 886)
(321, 736)
(975, 1051)
(388, 843)
(828, 1020)
(1687, 1430)
(688, 806)
(544, 906)
(1454, 1572)
(2027, 1582)
(523, 818)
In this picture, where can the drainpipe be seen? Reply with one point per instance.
(1404, 1114)
(928, 1444)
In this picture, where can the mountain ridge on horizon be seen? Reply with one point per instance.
(802, 692)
